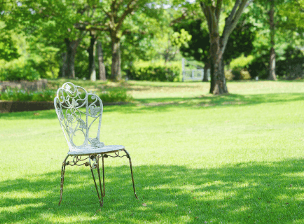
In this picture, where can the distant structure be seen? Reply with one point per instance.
(193, 72)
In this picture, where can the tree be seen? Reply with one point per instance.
(121, 18)
(272, 60)
(101, 66)
(240, 41)
(212, 11)
(8, 49)
(45, 20)
(277, 21)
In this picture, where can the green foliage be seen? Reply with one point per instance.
(18, 69)
(115, 95)
(240, 74)
(198, 46)
(239, 42)
(22, 95)
(259, 67)
(155, 71)
(228, 75)
(8, 49)
(241, 62)
(181, 38)
(289, 65)
(237, 74)
(108, 96)
(112, 96)
(238, 68)
(293, 65)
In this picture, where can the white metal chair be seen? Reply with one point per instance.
(79, 113)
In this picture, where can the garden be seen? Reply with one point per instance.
(197, 158)
(206, 96)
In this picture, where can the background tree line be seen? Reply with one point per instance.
(107, 39)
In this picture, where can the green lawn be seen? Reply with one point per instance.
(197, 158)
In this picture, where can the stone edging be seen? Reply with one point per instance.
(25, 85)
(18, 106)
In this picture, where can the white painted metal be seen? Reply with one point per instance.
(77, 111)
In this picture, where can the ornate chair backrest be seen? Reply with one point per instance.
(77, 111)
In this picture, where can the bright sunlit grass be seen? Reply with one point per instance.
(197, 158)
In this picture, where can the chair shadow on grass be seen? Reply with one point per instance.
(264, 192)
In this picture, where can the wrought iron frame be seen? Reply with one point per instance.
(76, 159)
(70, 98)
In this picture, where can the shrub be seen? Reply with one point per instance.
(112, 95)
(115, 95)
(17, 70)
(228, 75)
(259, 67)
(240, 74)
(22, 95)
(155, 72)
(237, 74)
(241, 62)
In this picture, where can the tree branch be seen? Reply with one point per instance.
(232, 21)
(218, 9)
(236, 5)
(206, 13)
(130, 8)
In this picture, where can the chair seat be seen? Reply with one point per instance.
(82, 150)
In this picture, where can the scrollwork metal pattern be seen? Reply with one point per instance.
(74, 106)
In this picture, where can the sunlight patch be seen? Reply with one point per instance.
(298, 174)
(25, 194)
(17, 208)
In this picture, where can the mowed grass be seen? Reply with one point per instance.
(197, 158)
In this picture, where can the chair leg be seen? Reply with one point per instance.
(103, 177)
(128, 156)
(100, 197)
(62, 178)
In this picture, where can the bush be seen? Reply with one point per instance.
(241, 62)
(237, 74)
(112, 95)
(115, 95)
(17, 70)
(228, 75)
(240, 74)
(22, 95)
(259, 68)
(155, 72)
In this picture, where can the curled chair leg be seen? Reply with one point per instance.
(128, 155)
(100, 197)
(62, 178)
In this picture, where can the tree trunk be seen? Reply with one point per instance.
(70, 60)
(272, 60)
(218, 80)
(218, 44)
(91, 50)
(207, 66)
(64, 65)
(218, 83)
(101, 66)
(116, 60)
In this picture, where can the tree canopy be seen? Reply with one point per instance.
(76, 39)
